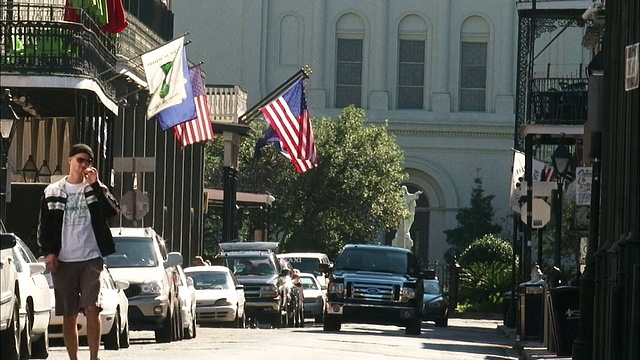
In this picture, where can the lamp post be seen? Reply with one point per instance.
(8, 123)
(560, 158)
(30, 170)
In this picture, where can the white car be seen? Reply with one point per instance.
(187, 295)
(10, 303)
(34, 303)
(219, 295)
(314, 297)
(114, 315)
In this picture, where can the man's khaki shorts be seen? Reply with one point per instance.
(77, 286)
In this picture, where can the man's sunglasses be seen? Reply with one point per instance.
(81, 160)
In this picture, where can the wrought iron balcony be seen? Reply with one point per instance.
(36, 40)
(557, 101)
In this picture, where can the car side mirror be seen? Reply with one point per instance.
(173, 259)
(122, 284)
(37, 268)
(7, 241)
(189, 281)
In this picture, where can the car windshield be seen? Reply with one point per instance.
(378, 260)
(432, 287)
(307, 265)
(132, 252)
(251, 265)
(209, 280)
(308, 283)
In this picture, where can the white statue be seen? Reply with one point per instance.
(403, 236)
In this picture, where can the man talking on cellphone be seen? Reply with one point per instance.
(74, 236)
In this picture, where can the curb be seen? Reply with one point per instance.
(529, 350)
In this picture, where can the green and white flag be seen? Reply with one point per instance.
(163, 68)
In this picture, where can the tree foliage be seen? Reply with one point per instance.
(348, 198)
(474, 222)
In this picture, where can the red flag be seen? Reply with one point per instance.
(289, 117)
(117, 17)
(199, 129)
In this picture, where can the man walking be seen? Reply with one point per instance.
(74, 236)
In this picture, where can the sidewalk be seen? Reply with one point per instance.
(530, 350)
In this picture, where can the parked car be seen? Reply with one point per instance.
(10, 305)
(34, 303)
(435, 303)
(219, 296)
(114, 315)
(187, 295)
(267, 286)
(314, 297)
(308, 262)
(141, 258)
(23, 325)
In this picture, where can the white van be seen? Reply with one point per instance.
(307, 262)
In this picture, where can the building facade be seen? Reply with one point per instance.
(442, 73)
(73, 82)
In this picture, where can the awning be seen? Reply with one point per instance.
(566, 130)
(216, 196)
(60, 82)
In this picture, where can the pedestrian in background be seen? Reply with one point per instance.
(74, 235)
(198, 261)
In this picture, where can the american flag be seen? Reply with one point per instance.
(199, 129)
(289, 117)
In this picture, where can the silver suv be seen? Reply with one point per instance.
(141, 258)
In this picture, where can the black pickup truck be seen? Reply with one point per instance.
(374, 284)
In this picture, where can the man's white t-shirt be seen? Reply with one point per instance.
(78, 239)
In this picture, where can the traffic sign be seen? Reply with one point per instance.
(540, 215)
(141, 208)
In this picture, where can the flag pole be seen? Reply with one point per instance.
(246, 118)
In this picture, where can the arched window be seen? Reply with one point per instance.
(349, 60)
(474, 38)
(412, 43)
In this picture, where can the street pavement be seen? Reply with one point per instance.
(464, 339)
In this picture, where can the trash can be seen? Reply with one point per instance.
(565, 317)
(509, 309)
(531, 309)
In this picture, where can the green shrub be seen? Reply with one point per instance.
(488, 248)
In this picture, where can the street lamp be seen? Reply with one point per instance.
(30, 170)
(8, 123)
(44, 173)
(561, 158)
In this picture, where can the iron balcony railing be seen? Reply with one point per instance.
(37, 40)
(557, 101)
(134, 41)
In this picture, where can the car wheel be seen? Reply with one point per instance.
(112, 339)
(40, 348)
(125, 336)
(11, 337)
(442, 322)
(25, 337)
(413, 328)
(331, 323)
(291, 315)
(189, 330)
(193, 323)
(164, 332)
